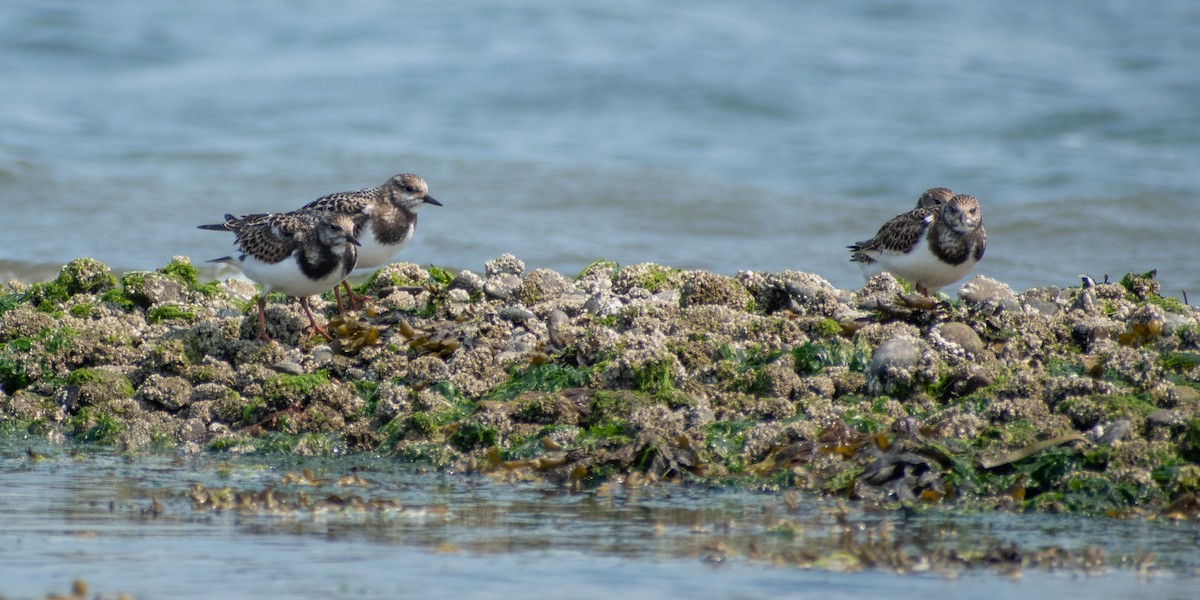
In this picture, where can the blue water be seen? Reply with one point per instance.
(759, 135)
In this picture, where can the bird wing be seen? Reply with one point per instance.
(273, 237)
(899, 234)
(344, 202)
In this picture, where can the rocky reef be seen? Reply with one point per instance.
(1079, 399)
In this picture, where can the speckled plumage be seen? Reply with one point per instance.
(931, 246)
(381, 218)
(904, 224)
(299, 254)
(385, 217)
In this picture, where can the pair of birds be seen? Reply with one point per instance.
(314, 248)
(933, 245)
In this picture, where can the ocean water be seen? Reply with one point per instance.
(761, 135)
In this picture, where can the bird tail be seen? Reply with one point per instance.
(230, 224)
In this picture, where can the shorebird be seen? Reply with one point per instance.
(931, 246)
(298, 254)
(384, 217)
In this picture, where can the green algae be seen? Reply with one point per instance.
(184, 272)
(725, 442)
(286, 390)
(133, 289)
(1180, 361)
(90, 425)
(470, 435)
(600, 265)
(739, 392)
(15, 370)
(548, 377)
(656, 377)
(656, 280)
(432, 423)
(168, 312)
(24, 360)
(815, 357)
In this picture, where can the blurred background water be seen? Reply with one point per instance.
(760, 135)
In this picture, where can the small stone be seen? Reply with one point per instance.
(700, 288)
(322, 356)
(516, 313)
(651, 277)
(23, 323)
(556, 322)
(1094, 332)
(504, 264)
(1113, 432)
(808, 294)
(467, 281)
(290, 367)
(602, 304)
(989, 294)
(1173, 324)
(150, 288)
(398, 275)
(172, 393)
(597, 276)
(502, 286)
(1186, 396)
(427, 370)
(1086, 302)
(882, 289)
(1041, 307)
(893, 364)
(542, 285)
(962, 336)
(1142, 286)
(1164, 418)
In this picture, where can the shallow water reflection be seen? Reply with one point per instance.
(368, 527)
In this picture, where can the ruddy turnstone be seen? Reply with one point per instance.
(931, 246)
(934, 197)
(299, 254)
(385, 217)
(931, 199)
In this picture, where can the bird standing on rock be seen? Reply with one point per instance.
(299, 254)
(385, 218)
(930, 246)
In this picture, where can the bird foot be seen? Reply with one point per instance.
(355, 300)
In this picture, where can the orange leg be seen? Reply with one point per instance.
(356, 300)
(313, 327)
(262, 318)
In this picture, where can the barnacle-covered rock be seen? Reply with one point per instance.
(894, 365)
(640, 374)
(701, 288)
(170, 392)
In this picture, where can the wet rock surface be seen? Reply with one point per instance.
(1059, 399)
